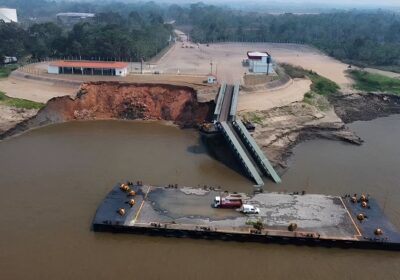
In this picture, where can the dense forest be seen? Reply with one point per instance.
(136, 30)
(138, 34)
(370, 38)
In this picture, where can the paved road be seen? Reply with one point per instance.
(226, 104)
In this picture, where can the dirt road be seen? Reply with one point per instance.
(264, 100)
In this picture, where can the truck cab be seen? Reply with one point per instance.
(217, 201)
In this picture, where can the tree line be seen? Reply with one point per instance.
(135, 30)
(361, 37)
(110, 36)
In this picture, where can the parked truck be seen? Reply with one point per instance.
(231, 202)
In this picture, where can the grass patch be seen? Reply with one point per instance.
(293, 71)
(320, 85)
(317, 100)
(375, 82)
(18, 102)
(254, 117)
(6, 70)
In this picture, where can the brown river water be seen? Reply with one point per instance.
(52, 180)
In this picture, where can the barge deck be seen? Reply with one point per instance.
(323, 220)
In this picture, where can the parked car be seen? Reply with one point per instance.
(249, 209)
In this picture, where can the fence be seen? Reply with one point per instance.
(255, 42)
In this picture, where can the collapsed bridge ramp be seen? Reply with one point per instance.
(263, 163)
(240, 151)
(239, 139)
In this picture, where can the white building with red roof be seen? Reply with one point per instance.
(81, 67)
(260, 62)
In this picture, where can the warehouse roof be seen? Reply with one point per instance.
(90, 64)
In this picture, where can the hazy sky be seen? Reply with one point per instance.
(330, 3)
(325, 2)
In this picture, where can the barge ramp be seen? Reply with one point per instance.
(288, 218)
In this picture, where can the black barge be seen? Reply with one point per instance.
(285, 218)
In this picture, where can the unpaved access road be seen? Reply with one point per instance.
(227, 59)
(267, 99)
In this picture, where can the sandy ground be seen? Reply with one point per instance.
(384, 73)
(264, 100)
(227, 60)
(10, 116)
(34, 90)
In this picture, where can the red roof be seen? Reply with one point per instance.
(90, 64)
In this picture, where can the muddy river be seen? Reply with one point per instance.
(52, 180)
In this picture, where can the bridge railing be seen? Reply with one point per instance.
(220, 100)
(235, 97)
(255, 150)
(248, 165)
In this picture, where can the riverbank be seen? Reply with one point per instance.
(280, 129)
(11, 116)
(122, 101)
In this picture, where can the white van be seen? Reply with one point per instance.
(249, 209)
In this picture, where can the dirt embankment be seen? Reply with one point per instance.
(113, 100)
(365, 107)
(10, 116)
(280, 129)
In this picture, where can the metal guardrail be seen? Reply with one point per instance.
(220, 100)
(250, 168)
(235, 97)
(258, 155)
